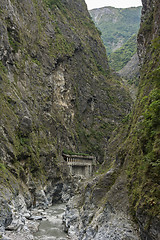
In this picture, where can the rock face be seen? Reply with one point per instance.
(56, 94)
(135, 147)
(93, 215)
(146, 205)
(127, 185)
(131, 69)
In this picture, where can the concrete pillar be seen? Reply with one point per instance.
(91, 170)
(71, 169)
(86, 171)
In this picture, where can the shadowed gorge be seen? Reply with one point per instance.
(59, 99)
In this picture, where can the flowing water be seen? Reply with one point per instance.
(51, 227)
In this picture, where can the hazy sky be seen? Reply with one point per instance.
(114, 3)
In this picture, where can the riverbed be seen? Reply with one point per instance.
(50, 227)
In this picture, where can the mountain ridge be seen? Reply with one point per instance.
(119, 27)
(126, 19)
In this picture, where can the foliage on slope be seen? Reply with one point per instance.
(142, 147)
(123, 55)
(117, 25)
(56, 90)
(134, 148)
(119, 28)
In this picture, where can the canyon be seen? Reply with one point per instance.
(59, 97)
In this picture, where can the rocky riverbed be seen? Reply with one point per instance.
(106, 223)
(51, 227)
(38, 224)
(70, 211)
(19, 221)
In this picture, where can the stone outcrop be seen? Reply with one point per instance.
(17, 221)
(131, 69)
(100, 216)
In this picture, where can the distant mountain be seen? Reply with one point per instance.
(119, 28)
(116, 24)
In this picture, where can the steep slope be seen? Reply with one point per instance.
(131, 70)
(139, 148)
(128, 182)
(144, 168)
(123, 55)
(56, 94)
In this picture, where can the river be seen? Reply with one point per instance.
(51, 227)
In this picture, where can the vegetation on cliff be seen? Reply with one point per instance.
(144, 141)
(134, 148)
(123, 55)
(56, 89)
(139, 150)
(57, 94)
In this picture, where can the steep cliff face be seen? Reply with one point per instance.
(56, 92)
(139, 150)
(145, 166)
(128, 184)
